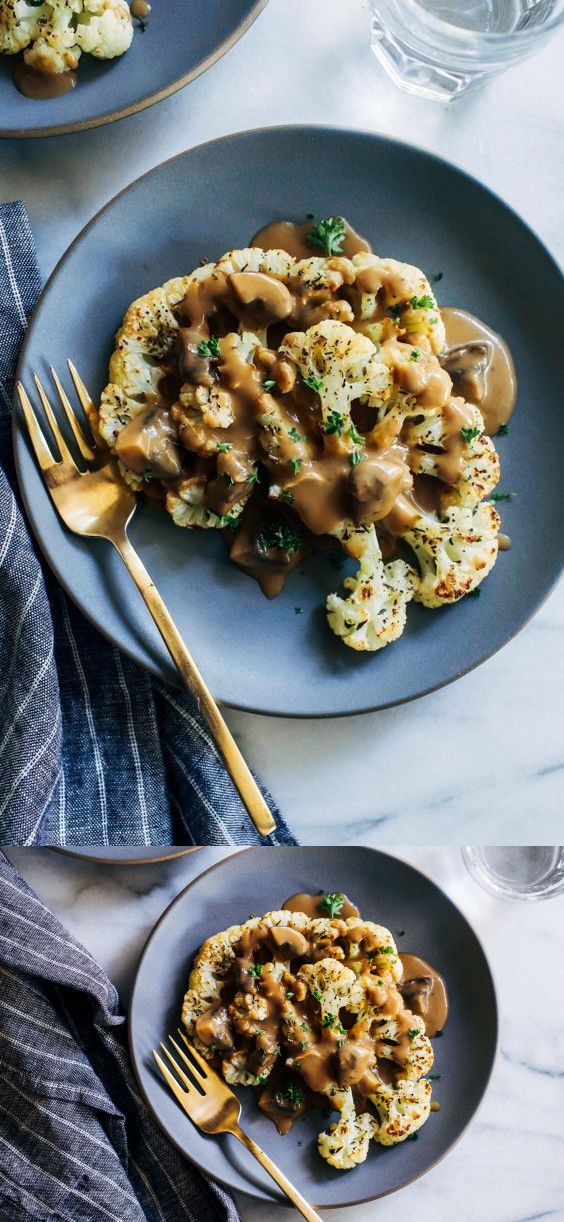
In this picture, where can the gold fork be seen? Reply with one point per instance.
(213, 1107)
(97, 502)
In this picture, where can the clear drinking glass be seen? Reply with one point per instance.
(441, 48)
(517, 872)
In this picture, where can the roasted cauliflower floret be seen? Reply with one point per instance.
(335, 985)
(341, 365)
(478, 476)
(455, 554)
(104, 28)
(406, 294)
(402, 1110)
(419, 1059)
(54, 34)
(345, 1144)
(374, 612)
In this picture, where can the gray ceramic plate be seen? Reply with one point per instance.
(182, 39)
(387, 891)
(133, 855)
(257, 654)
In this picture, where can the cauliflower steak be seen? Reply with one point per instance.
(309, 1011)
(292, 402)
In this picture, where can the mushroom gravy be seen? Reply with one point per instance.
(297, 491)
(41, 85)
(302, 1054)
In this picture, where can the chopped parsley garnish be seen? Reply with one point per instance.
(334, 424)
(294, 1092)
(423, 303)
(315, 994)
(435, 279)
(224, 447)
(229, 519)
(412, 1033)
(414, 355)
(503, 430)
(394, 312)
(293, 433)
(209, 348)
(281, 537)
(433, 1077)
(255, 971)
(288, 497)
(400, 933)
(356, 457)
(289, 994)
(385, 950)
(263, 1077)
(470, 434)
(502, 496)
(253, 477)
(313, 383)
(295, 464)
(147, 475)
(298, 611)
(332, 903)
(328, 1020)
(303, 1045)
(356, 437)
(228, 478)
(413, 1137)
(328, 235)
(268, 384)
(438, 1034)
(474, 593)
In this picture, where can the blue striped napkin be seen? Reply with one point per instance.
(92, 749)
(76, 1139)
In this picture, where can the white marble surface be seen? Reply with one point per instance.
(498, 770)
(510, 1165)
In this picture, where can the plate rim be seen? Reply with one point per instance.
(17, 431)
(255, 1193)
(65, 851)
(160, 95)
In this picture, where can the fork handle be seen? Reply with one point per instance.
(291, 1192)
(238, 770)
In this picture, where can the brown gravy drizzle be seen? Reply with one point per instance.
(41, 85)
(346, 1051)
(141, 9)
(318, 487)
(481, 366)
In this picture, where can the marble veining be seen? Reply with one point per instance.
(498, 765)
(509, 1167)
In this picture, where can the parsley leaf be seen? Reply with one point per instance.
(295, 464)
(503, 430)
(470, 434)
(279, 536)
(224, 447)
(293, 433)
(414, 355)
(255, 971)
(332, 903)
(412, 1033)
(328, 235)
(328, 1020)
(423, 303)
(356, 437)
(313, 383)
(253, 477)
(209, 348)
(334, 424)
(293, 1092)
(502, 496)
(356, 457)
(268, 384)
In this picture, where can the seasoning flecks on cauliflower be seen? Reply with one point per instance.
(402, 1110)
(346, 1142)
(374, 612)
(54, 34)
(455, 554)
(342, 366)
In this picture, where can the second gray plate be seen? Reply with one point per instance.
(422, 920)
(261, 655)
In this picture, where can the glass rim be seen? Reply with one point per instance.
(492, 38)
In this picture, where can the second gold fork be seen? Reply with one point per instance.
(96, 502)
